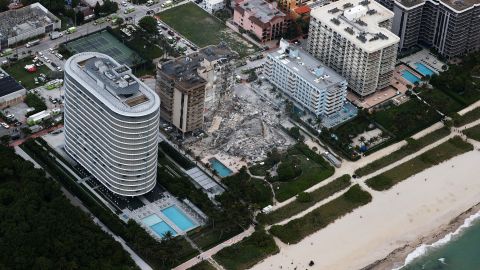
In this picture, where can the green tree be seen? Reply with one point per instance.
(4, 5)
(149, 24)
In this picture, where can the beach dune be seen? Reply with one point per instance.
(415, 210)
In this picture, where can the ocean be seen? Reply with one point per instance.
(459, 250)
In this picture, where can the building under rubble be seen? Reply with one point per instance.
(191, 84)
(24, 23)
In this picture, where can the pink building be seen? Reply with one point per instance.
(261, 18)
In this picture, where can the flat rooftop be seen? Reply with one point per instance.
(306, 66)
(262, 10)
(359, 22)
(184, 70)
(113, 83)
(18, 21)
(458, 5)
(8, 85)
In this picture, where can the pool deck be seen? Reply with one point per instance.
(156, 208)
(426, 58)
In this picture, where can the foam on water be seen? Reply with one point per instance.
(423, 249)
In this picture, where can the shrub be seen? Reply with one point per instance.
(304, 197)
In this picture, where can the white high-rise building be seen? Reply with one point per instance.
(311, 84)
(353, 37)
(111, 123)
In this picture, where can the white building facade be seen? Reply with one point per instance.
(306, 80)
(354, 39)
(211, 6)
(111, 123)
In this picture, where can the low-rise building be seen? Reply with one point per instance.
(191, 84)
(261, 18)
(24, 23)
(304, 79)
(11, 92)
(212, 6)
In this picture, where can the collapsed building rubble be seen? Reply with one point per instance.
(244, 126)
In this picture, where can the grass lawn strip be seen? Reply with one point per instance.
(204, 29)
(411, 147)
(297, 229)
(473, 132)
(297, 206)
(467, 118)
(247, 252)
(434, 156)
(204, 265)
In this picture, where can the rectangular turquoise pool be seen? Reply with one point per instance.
(221, 169)
(179, 218)
(407, 75)
(158, 225)
(424, 70)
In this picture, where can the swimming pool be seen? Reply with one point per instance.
(407, 75)
(424, 70)
(179, 218)
(158, 225)
(221, 169)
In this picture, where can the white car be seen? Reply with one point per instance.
(50, 49)
(124, 3)
(4, 125)
(48, 60)
(40, 54)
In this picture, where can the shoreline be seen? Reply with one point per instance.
(419, 210)
(397, 257)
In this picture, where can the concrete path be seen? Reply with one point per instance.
(207, 255)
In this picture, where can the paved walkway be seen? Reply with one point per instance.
(361, 180)
(207, 255)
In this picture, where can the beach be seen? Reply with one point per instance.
(421, 209)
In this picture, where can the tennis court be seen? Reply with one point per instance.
(104, 42)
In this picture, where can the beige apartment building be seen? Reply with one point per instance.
(353, 37)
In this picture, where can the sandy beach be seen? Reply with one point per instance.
(418, 210)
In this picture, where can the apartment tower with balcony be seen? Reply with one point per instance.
(451, 27)
(353, 37)
(305, 80)
(111, 123)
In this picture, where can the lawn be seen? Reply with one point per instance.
(473, 132)
(411, 147)
(440, 101)
(314, 169)
(25, 78)
(204, 265)
(467, 118)
(432, 157)
(298, 206)
(247, 252)
(297, 229)
(204, 29)
(407, 119)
